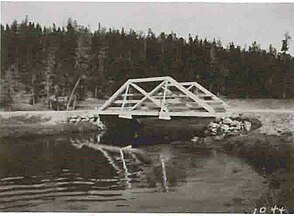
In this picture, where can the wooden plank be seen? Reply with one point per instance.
(175, 101)
(171, 96)
(181, 96)
(186, 109)
(151, 79)
(115, 109)
(132, 95)
(186, 83)
(127, 101)
(214, 102)
(188, 106)
(156, 113)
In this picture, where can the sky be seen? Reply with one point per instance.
(241, 23)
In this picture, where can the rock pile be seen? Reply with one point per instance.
(230, 126)
(92, 118)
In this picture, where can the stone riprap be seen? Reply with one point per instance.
(228, 126)
(92, 118)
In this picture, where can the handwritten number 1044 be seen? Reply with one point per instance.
(273, 210)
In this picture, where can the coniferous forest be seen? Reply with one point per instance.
(43, 61)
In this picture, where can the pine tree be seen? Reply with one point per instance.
(285, 57)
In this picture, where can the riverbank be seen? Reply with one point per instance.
(270, 151)
(272, 157)
(43, 123)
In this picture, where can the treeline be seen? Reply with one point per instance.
(43, 61)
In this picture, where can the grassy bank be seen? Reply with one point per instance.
(28, 124)
(272, 157)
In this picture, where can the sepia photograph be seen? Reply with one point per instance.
(147, 107)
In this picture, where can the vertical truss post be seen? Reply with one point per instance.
(163, 114)
(163, 98)
(125, 97)
(125, 114)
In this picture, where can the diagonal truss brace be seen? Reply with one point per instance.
(201, 88)
(191, 95)
(163, 112)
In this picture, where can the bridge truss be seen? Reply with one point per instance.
(163, 97)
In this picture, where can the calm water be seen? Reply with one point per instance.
(78, 174)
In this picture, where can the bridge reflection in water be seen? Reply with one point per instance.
(85, 173)
(120, 157)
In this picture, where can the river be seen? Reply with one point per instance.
(87, 173)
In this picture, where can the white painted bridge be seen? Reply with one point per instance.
(163, 97)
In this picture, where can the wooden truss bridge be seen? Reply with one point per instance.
(163, 97)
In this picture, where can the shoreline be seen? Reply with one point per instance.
(272, 157)
(268, 149)
(43, 123)
(28, 123)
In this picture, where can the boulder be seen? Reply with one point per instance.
(235, 123)
(195, 139)
(232, 128)
(247, 125)
(255, 123)
(225, 128)
(217, 119)
(239, 126)
(235, 116)
(213, 133)
(227, 121)
(73, 120)
(243, 117)
(213, 125)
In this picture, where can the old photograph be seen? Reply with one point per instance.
(147, 107)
